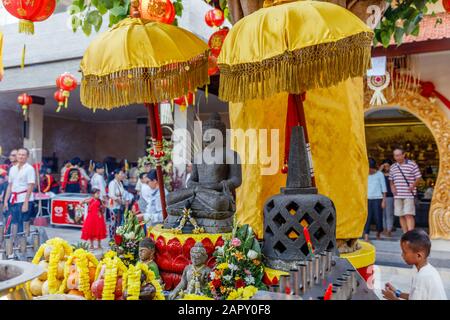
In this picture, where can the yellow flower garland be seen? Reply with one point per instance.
(83, 258)
(132, 281)
(195, 297)
(242, 293)
(60, 248)
(114, 267)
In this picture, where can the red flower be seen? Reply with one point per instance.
(216, 283)
(239, 283)
(118, 239)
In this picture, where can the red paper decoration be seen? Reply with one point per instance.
(24, 100)
(185, 100)
(216, 40)
(157, 10)
(66, 82)
(29, 12)
(446, 5)
(213, 68)
(60, 99)
(214, 17)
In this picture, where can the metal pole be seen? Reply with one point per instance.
(316, 269)
(293, 274)
(303, 276)
(323, 265)
(156, 133)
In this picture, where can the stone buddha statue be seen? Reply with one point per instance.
(216, 173)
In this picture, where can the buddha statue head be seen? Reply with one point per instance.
(198, 254)
(146, 250)
(214, 122)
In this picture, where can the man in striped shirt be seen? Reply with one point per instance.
(404, 177)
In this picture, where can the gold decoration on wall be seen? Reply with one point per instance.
(408, 98)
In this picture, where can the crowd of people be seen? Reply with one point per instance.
(111, 194)
(392, 191)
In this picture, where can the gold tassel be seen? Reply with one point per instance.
(22, 62)
(26, 26)
(144, 85)
(206, 93)
(318, 66)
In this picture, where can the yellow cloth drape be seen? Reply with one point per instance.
(335, 121)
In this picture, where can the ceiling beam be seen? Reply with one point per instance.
(412, 48)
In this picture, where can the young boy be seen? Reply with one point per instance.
(426, 283)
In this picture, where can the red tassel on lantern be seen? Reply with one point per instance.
(24, 100)
(29, 12)
(214, 17)
(66, 82)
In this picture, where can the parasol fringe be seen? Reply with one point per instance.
(144, 85)
(318, 66)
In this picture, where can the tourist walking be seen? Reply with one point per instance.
(388, 210)
(153, 212)
(117, 202)
(404, 176)
(19, 194)
(426, 283)
(98, 180)
(376, 199)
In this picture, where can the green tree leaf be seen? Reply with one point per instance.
(398, 35)
(385, 38)
(76, 23)
(87, 28)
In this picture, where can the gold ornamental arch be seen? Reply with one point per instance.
(437, 122)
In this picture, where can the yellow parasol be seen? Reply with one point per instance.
(139, 61)
(292, 47)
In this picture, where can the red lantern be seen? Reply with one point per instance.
(24, 100)
(157, 10)
(216, 40)
(29, 12)
(66, 82)
(446, 5)
(60, 99)
(212, 65)
(214, 17)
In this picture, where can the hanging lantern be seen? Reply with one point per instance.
(213, 68)
(60, 99)
(214, 17)
(216, 40)
(157, 10)
(446, 5)
(29, 12)
(66, 82)
(25, 101)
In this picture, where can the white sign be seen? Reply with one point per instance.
(378, 67)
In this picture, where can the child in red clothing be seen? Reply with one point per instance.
(94, 226)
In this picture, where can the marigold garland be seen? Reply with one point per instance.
(132, 281)
(83, 258)
(60, 249)
(242, 293)
(114, 267)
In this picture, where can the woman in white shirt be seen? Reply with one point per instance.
(98, 180)
(117, 202)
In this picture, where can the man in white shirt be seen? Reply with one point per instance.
(426, 283)
(147, 168)
(21, 181)
(98, 181)
(150, 193)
